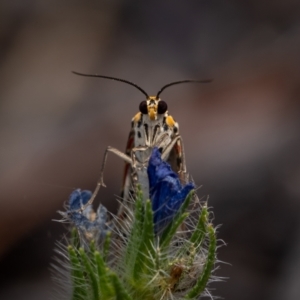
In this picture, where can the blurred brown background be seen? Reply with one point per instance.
(241, 132)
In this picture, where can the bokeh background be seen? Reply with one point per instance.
(241, 131)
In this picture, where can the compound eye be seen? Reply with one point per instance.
(143, 107)
(162, 107)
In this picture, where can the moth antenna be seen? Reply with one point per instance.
(113, 78)
(182, 81)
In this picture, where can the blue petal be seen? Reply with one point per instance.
(166, 191)
(79, 220)
(78, 199)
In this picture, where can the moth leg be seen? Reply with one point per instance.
(183, 162)
(163, 140)
(167, 146)
(100, 182)
(167, 151)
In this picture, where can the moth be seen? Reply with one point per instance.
(151, 127)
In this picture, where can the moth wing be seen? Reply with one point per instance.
(127, 182)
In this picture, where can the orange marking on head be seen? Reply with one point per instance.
(137, 117)
(170, 121)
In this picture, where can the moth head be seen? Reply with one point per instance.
(153, 107)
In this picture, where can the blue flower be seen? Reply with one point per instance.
(166, 191)
(91, 225)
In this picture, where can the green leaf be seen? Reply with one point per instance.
(198, 235)
(200, 230)
(135, 234)
(171, 229)
(166, 239)
(106, 245)
(210, 260)
(75, 240)
(146, 253)
(121, 293)
(105, 286)
(77, 275)
(91, 274)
